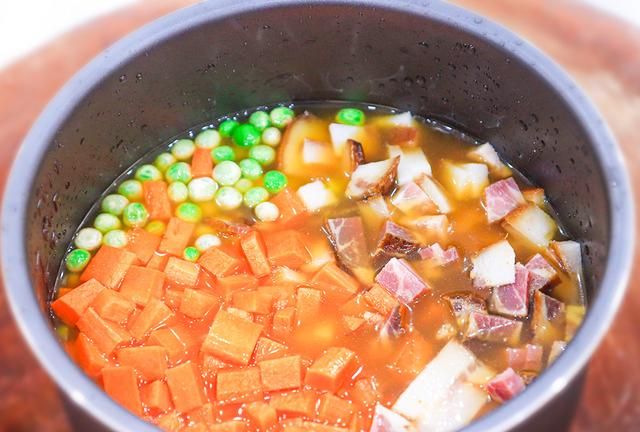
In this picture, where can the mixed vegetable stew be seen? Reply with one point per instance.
(325, 267)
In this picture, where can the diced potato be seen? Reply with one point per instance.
(403, 119)
(495, 265)
(411, 199)
(341, 133)
(316, 195)
(535, 196)
(569, 255)
(465, 180)
(533, 224)
(374, 178)
(435, 193)
(317, 153)
(413, 163)
(437, 225)
(304, 128)
(374, 212)
(485, 153)
(385, 420)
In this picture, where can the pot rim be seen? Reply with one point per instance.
(80, 388)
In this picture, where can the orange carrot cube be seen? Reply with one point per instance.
(308, 302)
(201, 163)
(286, 248)
(253, 301)
(228, 426)
(142, 243)
(185, 386)
(113, 306)
(149, 361)
(283, 373)
(107, 336)
(156, 199)
(298, 403)
(331, 369)
(121, 384)
(336, 282)
(72, 305)
(158, 262)
(238, 385)
(153, 314)
(195, 303)
(365, 392)
(293, 212)
(156, 396)
(175, 345)
(230, 284)
(256, 254)
(182, 272)
(211, 365)
(413, 356)
(170, 422)
(380, 299)
(232, 338)
(89, 356)
(357, 306)
(261, 414)
(284, 321)
(335, 410)
(176, 236)
(241, 313)
(140, 284)
(267, 349)
(219, 263)
(352, 323)
(173, 298)
(108, 266)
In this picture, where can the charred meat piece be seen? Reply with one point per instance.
(396, 241)
(374, 178)
(355, 155)
(548, 314)
(348, 240)
(462, 304)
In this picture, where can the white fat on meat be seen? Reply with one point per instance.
(435, 193)
(465, 180)
(486, 154)
(413, 163)
(533, 224)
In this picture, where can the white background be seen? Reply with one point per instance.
(26, 25)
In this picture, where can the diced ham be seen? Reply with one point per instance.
(401, 281)
(462, 304)
(540, 272)
(435, 193)
(413, 163)
(569, 255)
(374, 178)
(410, 199)
(557, 347)
(494, 265)
(465, 180)
(348, 240)
(316, 195)
(396, 241)
(436, 254)
(548, 313)
(437, 225)
(317, 152)
(505, 386)
(385, 420)
(527, 358)
(396, 323)
(492, 328)
(501, 198)
(532, 224)
(485, 153)
(512, 299)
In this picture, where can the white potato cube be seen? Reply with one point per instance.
(569, 254)
(341, 133)
(465, 180)
(485, 153)
(435, 193)
(460, 407)
(316, 195)
(404, 119)
(318, 153)
(494, 265)
(533, 224)
(413, 163)
(385, 420)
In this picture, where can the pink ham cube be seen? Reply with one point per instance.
(501, 198)
(401, 281)
(410, 199)
(540, 272)
(527, 358)
(385, 420)
(438, 255)
(512, 299)
(505, 386)
(492, 328)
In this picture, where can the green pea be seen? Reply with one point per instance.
(114, 204)
(116, 238)
(274, 181)
(148, 172)
(189, 212)
(255, 196)
(135, 215)
(227, 127)
(227, 173)
(264, 154)
(281, 116)
(208, 139)
(246, 135)
(250, 168)
(164, 160)
(191, 254)
(260, 120)
(178, 192)
(350, 116)
(183, 149)
(77, 260)
(106, 222)
(223, 153)
(131, 189)
(178, 172)
(243, 185)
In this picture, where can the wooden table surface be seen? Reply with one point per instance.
(600, 52)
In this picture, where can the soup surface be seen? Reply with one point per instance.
(318, 268)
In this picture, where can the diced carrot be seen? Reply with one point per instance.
(414, 355)
(203, 416)
(113, 306)
(158, 262)
(230, 284)
(121, 384)
(358, 423)
(88, 356)
(256, 253)
(298, 403)
(228, 426)
(206, 281)
(173, 298)
(286, 276)
(201, 163)
(278, 292)
(335, 410)
(185, 386)
(176, 236)
(380, 299)
(211, 365)
(141, 284)
(156, 199)
(142, 243)
(253, 301)
(283, 373)
(337, 283)
(231, 338)
(261, 414)
(72, 305)
(308, 302)
(171, 341)
(331, 369)
(267, 349)
(292, 425)
(108, 266)
(196, 303)
(149, 361)
(171, 422)
(107, 336)
(309, 426)
(286, 248)
(153, 314)
(352, 323)
(365, 392)
(241, 313)
(263, 320)
(182, 272)
(219, 263)
(293, 212)
(155, 396)
(238, 385)
(284, 321)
